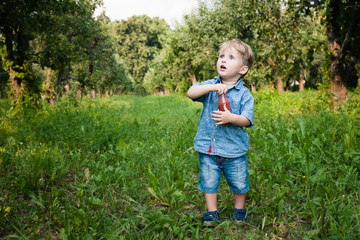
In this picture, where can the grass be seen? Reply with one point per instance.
(124, 168)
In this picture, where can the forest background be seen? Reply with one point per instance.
(77, 165)
(58, 48)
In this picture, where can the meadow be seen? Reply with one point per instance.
(124, 168)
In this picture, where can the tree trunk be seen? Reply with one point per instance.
(193, 79)
(339, 52)
(93, 93)
(16, 84)
(49, 91)
(17, 45)
(67, 89)
(59, 81)
(339, 90)
(359, 80)
(338, 87)
(253, 87)
(301, 77)
(271, 86)
(79, 94)
(159, 92)
(280, 84)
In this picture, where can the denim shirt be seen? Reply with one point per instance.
(227, 141)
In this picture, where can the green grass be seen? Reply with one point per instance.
(124, 168)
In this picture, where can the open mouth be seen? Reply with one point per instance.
(222, 67)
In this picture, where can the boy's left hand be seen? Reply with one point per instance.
(222, 118)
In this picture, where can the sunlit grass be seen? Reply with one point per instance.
(124, 168)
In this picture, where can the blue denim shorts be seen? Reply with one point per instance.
(234, 169)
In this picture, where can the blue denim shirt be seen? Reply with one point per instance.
(228, 141)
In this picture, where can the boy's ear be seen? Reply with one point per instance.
(243, 70)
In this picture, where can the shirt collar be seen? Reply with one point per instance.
(238, 84)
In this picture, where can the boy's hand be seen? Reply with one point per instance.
(222, 118)
(197, 91)
(219, 88)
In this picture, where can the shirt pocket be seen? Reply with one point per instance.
(235, 104)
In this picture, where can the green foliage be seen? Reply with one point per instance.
(311, 164)
(139, 39)
(48, 33)
(341, 21)
(125, 168)
(102, 69)
(25, 96)
(283, 40)
(191, 50)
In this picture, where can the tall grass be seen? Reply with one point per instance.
(124, 168)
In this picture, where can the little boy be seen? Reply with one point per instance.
(221, 140)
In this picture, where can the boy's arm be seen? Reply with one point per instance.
(199, 90)
(244, 119)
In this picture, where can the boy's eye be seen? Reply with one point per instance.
(221, 56)
(232, 57)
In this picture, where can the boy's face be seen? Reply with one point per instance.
(230, 64)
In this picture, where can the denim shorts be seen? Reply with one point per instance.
(234, 169)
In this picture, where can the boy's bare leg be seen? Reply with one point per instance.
(211, 201)
(239, 200)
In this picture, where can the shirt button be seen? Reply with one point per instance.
(214, 139)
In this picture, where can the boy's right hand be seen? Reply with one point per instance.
(219, 88)
(197, 91)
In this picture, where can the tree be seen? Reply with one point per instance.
(139, 39)
(191, 51)
(69, 41)
(25, 24)
(108, 70)
(20, 23)
(341, 19)
(342, 29)
(310, 51)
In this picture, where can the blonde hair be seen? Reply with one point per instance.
(244, 50)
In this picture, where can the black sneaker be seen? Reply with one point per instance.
(211, 218)
(239, 215)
